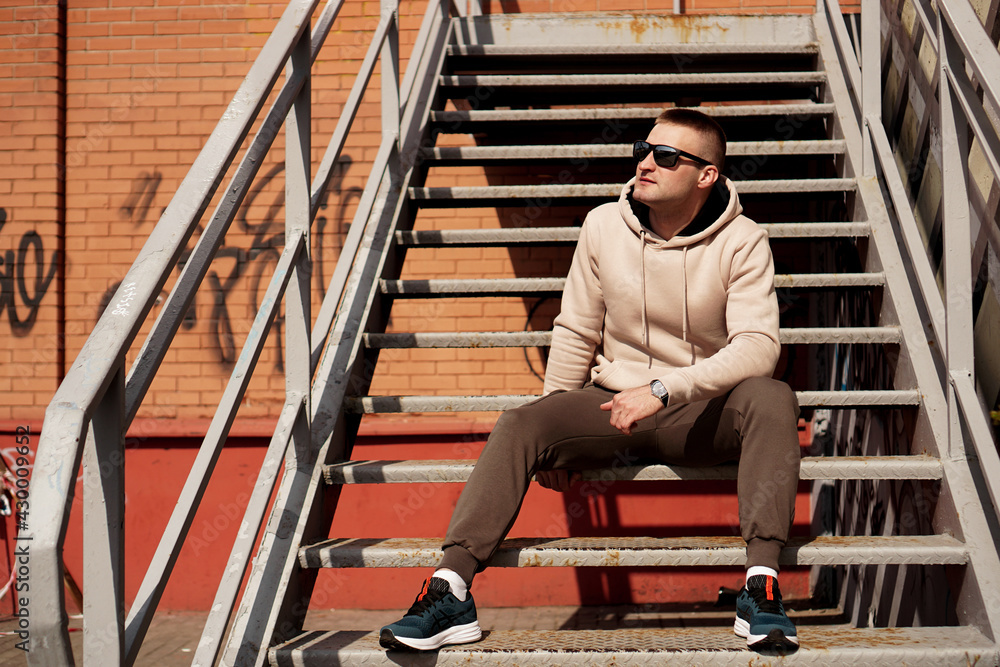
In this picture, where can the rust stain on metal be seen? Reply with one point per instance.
(638, 26)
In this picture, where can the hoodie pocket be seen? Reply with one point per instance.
(607, 373)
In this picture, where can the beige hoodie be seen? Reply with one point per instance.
(697, 312)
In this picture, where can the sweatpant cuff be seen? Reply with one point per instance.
(458, 559)
(764, 552)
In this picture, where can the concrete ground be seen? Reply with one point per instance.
(173, 636)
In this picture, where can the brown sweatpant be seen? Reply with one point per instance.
(754, 423)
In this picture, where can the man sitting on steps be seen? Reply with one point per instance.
(663, 351)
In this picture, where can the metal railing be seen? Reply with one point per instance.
(93, 407)
(962, 46)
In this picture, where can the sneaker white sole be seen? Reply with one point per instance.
(458, 634)
(742, 628)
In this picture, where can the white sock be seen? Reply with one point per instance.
(760, 569)
(458, 587)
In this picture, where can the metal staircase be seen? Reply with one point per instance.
(561, 98)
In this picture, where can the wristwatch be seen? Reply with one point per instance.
(659, 391)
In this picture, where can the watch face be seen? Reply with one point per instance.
(658, 389)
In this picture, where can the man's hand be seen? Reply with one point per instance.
(629, 406)
(557, 480)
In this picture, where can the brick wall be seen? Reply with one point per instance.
(104, 105)
(84, 176)
(31, 205)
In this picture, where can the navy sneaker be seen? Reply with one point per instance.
(761, 618)
(436, 618)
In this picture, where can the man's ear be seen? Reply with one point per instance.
(709, 175)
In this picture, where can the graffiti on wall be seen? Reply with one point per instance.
(246, 260)
(25, 278)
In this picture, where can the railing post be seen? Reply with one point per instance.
(104, 530)
(957, 231)
(298, 216)
(871, 78)
(390, 79)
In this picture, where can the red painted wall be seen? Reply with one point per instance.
(156, 468)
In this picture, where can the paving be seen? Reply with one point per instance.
(173, 636)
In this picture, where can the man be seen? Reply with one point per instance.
(663, 351)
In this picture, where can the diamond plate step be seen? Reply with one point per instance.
(813, 399)
(813, 467)
(695, 646)
(549, 81)
(446, 287)
(459, 154)
(456, 238)
(477, 339)
(447, 118)
(642, 552)
(485, 194)
(707, 48)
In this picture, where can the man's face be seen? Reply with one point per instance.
(656, 186)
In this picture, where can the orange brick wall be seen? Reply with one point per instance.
(145, 82)
(31, 205)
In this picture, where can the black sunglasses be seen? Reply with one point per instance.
(664, 156)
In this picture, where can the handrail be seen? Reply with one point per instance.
(848, 58)
(976, 46)
(348, 113)
(154, 349)
(274, 581)
(960, 40)
(158, 572)
(971, 409)
(338, 281)
(926, 282)
(85, 397)
(221, 610)
(966, 444)
(103, 354)
(976, 115)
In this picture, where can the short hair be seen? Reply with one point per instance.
(702, 123)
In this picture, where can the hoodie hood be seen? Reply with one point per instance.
(722, 206)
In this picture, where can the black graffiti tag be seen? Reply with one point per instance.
(246, 268)
(15, 282)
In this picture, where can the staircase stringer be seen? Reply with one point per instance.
(279, 590)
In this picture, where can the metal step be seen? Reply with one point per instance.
(694, 646)
(484, 195)
(813, 467)
(462, 287)
(811, 399)
(619, 151)
(444, 238)
(479, 339)
(549, 81)
(629, 113)
(718, 551)
(704, 48)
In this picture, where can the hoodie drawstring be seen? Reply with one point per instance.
(642, 272)
(684, 282)
(684, 287)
